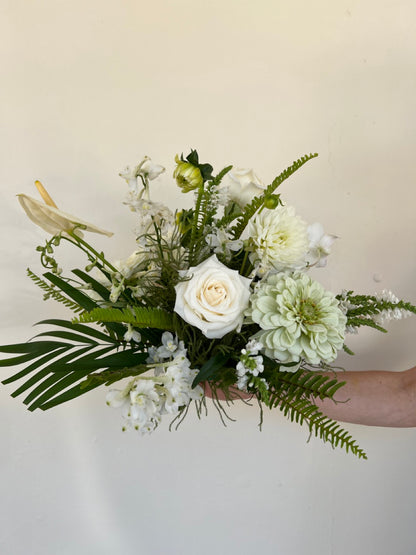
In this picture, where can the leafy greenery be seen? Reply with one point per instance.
(122, 313)
(58, 369)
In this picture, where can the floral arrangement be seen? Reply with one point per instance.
(216, 299)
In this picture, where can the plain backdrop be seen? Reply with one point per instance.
(90, 86)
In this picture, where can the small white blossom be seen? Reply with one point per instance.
(221, 243)
(319, 245)
(344, 304)
(388, 314)
(145, 170)
(132, 334)
(250, 363)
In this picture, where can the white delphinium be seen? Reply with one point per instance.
(250, 364)
(132, 334)
(149, 213)
(320, 245)
(171, 346)
(140, 175)
(146, 399)
(278, 240)
(220, 242)
(140, 404)
(127, 268)
(395, 313)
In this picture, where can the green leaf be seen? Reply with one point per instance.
(86, 330)
(45, 371)
(36, 347)
(37, 364)
(209, 369)
(80, 298)
(136, 316)
(96, 285)
(68, 335)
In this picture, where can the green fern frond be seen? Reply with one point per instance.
(218, 178)
(301, 383)
(136, 316)
(294, 393)
(258, 202)
(358, 322)
(51, 292)
(304, 411)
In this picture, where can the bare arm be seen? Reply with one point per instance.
(371, 398)
(374, 398)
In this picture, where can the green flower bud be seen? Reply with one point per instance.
(188, 177)
(271, 202)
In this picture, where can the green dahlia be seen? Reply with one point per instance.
(298, 319)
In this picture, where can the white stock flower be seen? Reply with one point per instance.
(278, 239)
(243, 186)
(213, 299)
(47, 216)
(144, 169)
(319, 245)
(221, 243)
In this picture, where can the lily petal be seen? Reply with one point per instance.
(53, 220)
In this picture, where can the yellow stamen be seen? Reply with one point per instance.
(44, 194)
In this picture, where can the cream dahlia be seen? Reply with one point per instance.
(278, 239)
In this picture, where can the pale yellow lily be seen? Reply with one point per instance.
(47, 215)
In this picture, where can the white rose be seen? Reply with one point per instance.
(244, 185)
(213, 299)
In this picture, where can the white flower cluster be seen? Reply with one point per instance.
(147, 398)
(138, 197)
(251, 363)
(391, 313)
(130, 269)
(220, 242)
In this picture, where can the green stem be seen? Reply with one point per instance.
(194, 229)
(88, 249)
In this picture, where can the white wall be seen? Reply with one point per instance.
(90, 86)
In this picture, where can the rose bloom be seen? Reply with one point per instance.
(213, 299)
(244, 185)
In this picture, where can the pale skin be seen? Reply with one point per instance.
(370, 398)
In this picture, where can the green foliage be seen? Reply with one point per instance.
(52, 293)
(136, 316)
(362, 309)
(210, 369)
(293, 394)
(258, 202)
(59, 371)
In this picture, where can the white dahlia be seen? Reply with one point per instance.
(298, 319)
(278, 239)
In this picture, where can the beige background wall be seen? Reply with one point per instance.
(88, 87)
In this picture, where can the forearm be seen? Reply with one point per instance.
(374, 398)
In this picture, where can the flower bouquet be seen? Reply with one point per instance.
(216, 298)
